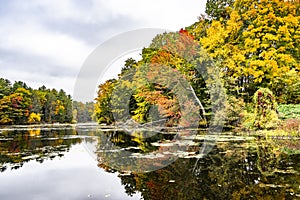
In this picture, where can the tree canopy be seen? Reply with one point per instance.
(253, 44)
(20, 104)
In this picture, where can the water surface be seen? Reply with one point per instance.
(93, 163)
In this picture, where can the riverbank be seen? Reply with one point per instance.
(47, 126)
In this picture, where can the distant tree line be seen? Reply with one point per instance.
(83, 112)
(20, 104)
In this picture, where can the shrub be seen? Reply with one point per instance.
(234, 111)
(289, 111)
(265, 112)
(262, 114)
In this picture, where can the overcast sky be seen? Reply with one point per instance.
(45, 42)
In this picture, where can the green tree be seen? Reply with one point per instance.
(19, 84)
(5, 87)
(64, 107)
(217, 9)
(37, 100)
(83, 112)
(49, 108)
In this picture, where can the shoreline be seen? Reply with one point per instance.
(45, 126)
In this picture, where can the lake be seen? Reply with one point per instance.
(93, 162)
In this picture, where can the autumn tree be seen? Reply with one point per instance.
(103, 108)
(247, 44)
(14, 108)
(165, 67)
(20, 104)
(257, 46)
(157, 84)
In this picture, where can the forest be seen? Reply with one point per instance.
(21, 104)
(252, 49)
(209, 111)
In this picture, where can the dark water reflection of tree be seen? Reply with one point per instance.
(255, 169)
(261, 168)
(21, 146)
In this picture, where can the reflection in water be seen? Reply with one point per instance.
(19, 147)
(238, 167)
(53, 164)
(135, 152)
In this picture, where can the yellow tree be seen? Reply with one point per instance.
(257, 46)
(102, 107)
(34, 118)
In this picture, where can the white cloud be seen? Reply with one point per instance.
(55, 9)
(167, 14)
(57, 36)
(34, 40)
(38, 79)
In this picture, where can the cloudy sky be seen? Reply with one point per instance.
(46, 42)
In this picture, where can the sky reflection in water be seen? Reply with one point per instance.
(57, 164)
